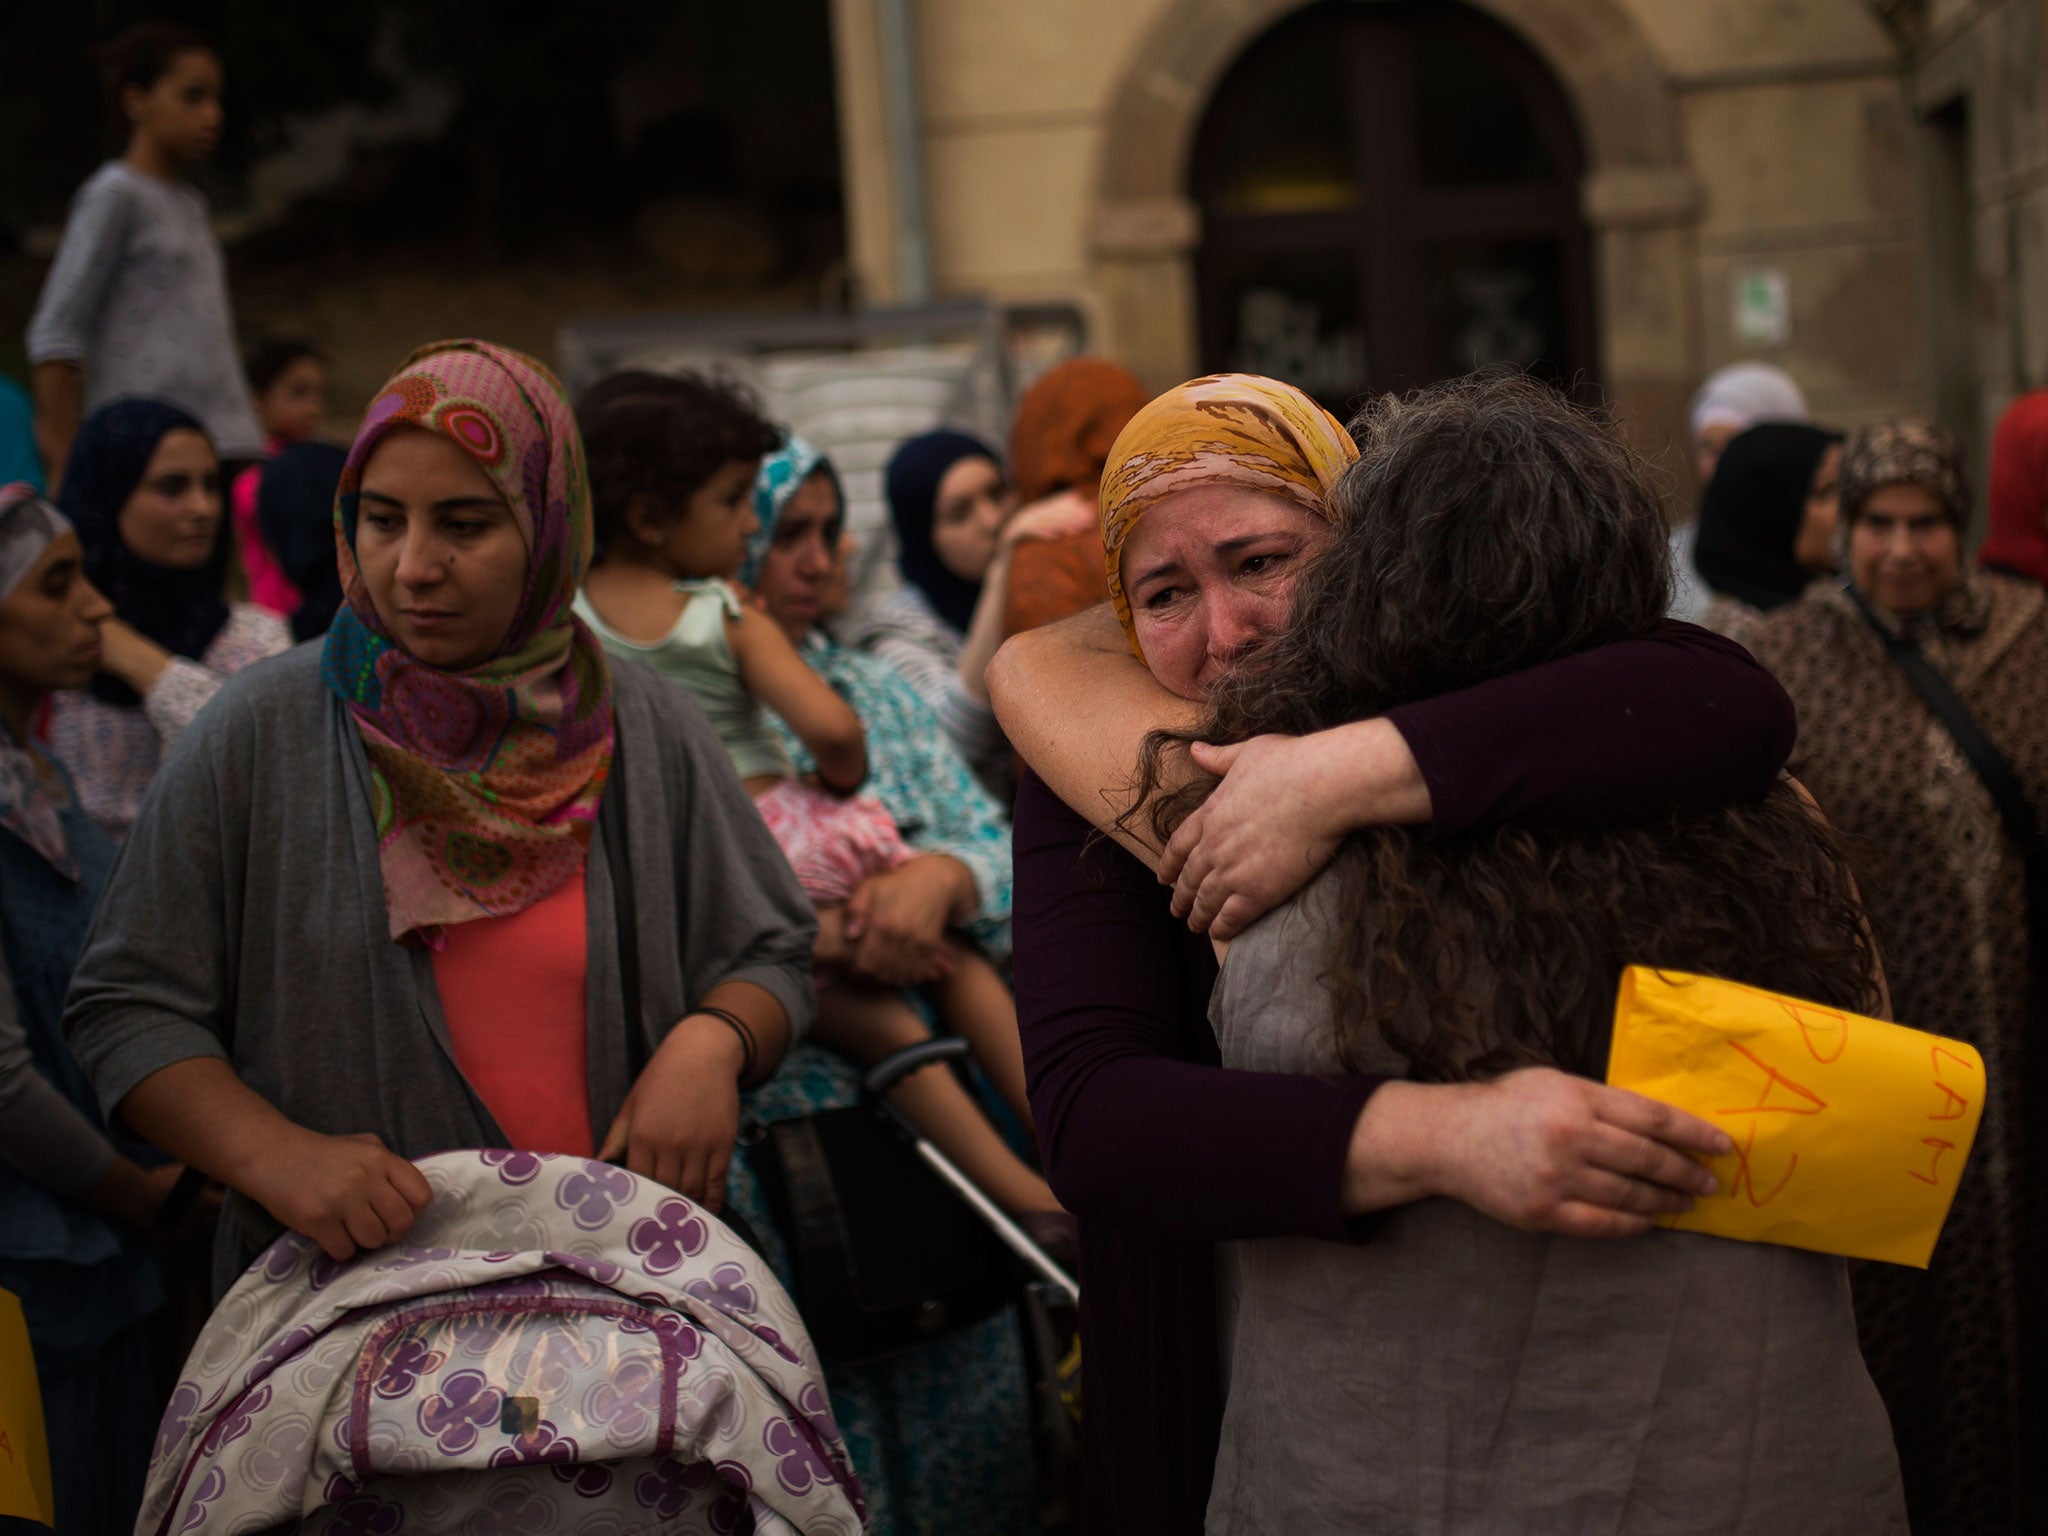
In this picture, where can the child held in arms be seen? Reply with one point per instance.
(673, 462)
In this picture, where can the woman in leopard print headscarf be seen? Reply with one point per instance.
(1959, 1352)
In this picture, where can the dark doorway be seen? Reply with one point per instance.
(1953, 313)
(1390, 196)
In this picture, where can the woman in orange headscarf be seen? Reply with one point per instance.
(1059, 441)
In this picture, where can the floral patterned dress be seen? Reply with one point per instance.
(906, 632)
(920, 777)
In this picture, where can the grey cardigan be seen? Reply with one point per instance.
(43, 1135)
(245, 918)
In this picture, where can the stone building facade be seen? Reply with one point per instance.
(1856, 189)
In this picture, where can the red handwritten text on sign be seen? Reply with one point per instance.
(1791, 1099)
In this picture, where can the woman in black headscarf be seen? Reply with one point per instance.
(1767, 522)
(142, 487)
(295, 510)
(957, 524)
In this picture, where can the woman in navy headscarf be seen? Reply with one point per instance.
(957, 524)
(142, 487)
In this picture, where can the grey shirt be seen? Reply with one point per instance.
(245, 918)
(138, 298)
(1455, 1377)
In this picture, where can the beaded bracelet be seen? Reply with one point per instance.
(738, 1025)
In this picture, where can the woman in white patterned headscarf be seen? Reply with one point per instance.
(71, 1206)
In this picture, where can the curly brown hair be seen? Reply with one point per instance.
(1490, 526)
(663, 436)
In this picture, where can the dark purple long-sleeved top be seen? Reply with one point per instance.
(1161, 1152)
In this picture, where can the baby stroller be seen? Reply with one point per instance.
(558, 1346)
(942, 1326)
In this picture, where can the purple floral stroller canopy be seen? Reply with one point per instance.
(558, 1347)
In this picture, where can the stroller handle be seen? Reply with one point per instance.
(892, 1069)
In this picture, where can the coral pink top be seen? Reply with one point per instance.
(269, 587)
(512, 991)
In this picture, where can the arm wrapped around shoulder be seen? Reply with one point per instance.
(1623, 733)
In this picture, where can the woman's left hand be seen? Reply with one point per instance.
(897, 921)
(679, 1123)
(1262, 835)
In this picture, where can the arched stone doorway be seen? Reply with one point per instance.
(1389, 195)
(1636, 191)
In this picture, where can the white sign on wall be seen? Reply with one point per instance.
(1763, 307)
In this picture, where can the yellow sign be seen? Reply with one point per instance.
(24, 1454)
(1850, 1133)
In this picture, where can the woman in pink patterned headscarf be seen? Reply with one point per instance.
(447, 879)
(488, 722)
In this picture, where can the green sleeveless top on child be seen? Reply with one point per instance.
(697, 654)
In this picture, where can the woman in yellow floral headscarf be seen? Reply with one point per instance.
(1213, 501)
(1229, 432)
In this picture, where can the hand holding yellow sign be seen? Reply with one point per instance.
(24, 1457)
(1850, 1133)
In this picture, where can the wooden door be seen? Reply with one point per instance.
(1390, 196)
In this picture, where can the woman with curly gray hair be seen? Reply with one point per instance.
(1469, 1375)
(1919, 682)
